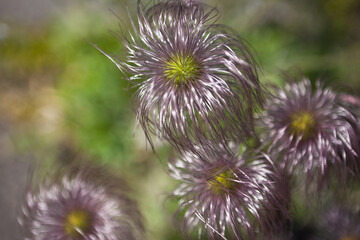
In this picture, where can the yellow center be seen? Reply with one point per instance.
(222, 182)
(182, 69)
(77, 222)
(302, 124)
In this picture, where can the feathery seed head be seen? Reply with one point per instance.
(197, 80)
(223, 196)
(83, 203)
(309, 129)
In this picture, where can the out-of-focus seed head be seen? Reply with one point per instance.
(224, 196)
(197, 80)
(340, 223)
(309, 130)
(83, 203)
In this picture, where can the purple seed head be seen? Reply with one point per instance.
(83, 203)
(309, 130)
(197, 80)
(224, 196)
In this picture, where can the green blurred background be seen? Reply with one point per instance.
(61, 99)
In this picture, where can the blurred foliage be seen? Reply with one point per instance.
(97, 108)
(64, 98)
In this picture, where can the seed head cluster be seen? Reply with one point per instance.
(198, 89)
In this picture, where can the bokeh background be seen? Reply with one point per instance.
(61, 99)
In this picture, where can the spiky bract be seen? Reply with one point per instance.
(81, 204)
(197, 80)
(309, 129)
(222, 196)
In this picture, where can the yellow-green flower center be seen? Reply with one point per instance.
(77, 222)
(181, 68)
(222, 182)
(303, 124)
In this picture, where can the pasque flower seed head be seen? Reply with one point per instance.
(224, 196)
(309, 129)
(83, 203)
(197, 80)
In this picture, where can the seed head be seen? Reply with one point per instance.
(197, 80)
(222, 196)
(83, 203)
(309, 130)
(339, 222)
